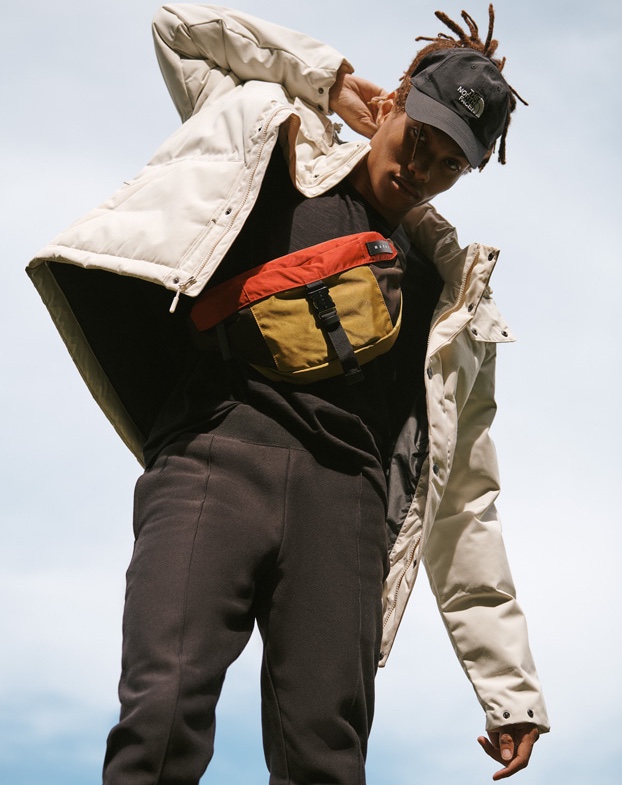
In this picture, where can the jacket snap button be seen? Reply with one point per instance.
(470, 307)
(436, 468)
(529, 712)
(321, 91)
(506, 715)
(504, 333)
(474, 331)
(429, 372)
(491, 256)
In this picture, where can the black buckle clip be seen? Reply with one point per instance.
(318, 295)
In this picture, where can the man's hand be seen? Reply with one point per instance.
(510, 745)
(352, 98)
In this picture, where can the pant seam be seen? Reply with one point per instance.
(360, 621)
(267, 628)
(185, 615)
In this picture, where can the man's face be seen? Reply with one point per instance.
(408, 164)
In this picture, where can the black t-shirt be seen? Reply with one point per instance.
(348, 426)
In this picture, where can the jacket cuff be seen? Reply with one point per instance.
(521, 710)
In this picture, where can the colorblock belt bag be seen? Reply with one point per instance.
(310, 315)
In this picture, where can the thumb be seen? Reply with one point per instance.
(506, 745)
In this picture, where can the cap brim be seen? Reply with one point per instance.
(424, 109)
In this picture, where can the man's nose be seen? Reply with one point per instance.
(419, 167)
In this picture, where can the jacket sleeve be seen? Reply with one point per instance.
(198, 46)
(470, 576)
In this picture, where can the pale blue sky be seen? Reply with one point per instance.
(84, 108)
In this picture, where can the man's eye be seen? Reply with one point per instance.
(453, 165)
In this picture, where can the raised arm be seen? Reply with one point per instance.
(199, 45)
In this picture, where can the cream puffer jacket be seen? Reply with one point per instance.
(240, 85)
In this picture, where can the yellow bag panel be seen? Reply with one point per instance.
(298, 345)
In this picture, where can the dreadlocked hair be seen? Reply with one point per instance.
(465, 40)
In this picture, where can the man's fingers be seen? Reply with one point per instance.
(511, 746)
(490, 749)
(516, 764)
(352, 98)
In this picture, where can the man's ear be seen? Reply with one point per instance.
(384, 106)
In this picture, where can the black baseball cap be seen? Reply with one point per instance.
(462, 92)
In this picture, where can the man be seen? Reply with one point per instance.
(265, 501)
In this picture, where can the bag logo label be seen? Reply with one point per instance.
(378, 247)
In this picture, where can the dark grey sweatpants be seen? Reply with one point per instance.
(230, 531)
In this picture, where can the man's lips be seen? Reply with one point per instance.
(408, 186)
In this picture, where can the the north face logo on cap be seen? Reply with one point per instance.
(472, 100)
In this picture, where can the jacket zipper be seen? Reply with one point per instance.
(411, 556)
(181, 287)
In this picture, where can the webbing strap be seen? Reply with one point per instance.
(329, 322)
